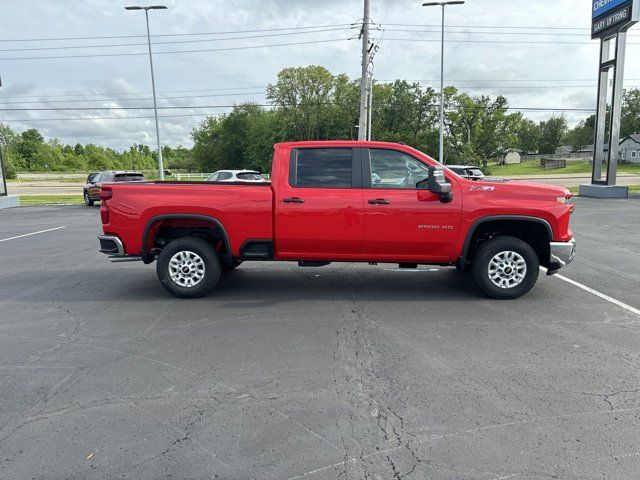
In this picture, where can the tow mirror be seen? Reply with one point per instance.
(437, 183)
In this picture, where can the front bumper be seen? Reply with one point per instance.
(561, 254)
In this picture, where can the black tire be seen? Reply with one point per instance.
(87, 199)
(507, 268)
(191, 249)
(230, 268)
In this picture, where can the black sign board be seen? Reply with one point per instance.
(610, 16)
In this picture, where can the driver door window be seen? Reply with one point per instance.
(395, 170)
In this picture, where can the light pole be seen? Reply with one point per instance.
(442, 4)
(153, 81)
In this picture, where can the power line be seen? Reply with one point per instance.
(456, 81)
(62, 119)
(493, 42)
(248, 47)
(491, 27)
(110, 37)
(466, 32)
(191, 107)
(131, 99)
(130, 93)
(117, 45)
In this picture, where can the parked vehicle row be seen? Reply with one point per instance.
(342, 202)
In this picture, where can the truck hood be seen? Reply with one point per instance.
(518, 187)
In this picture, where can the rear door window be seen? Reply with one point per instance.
(249, 176)
(322, 168)
(129, 177)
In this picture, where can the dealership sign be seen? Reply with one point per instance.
(610, 16)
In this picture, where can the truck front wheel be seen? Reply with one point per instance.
(505, 267)
(188, 267)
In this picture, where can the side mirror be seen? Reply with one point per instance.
(437, 183)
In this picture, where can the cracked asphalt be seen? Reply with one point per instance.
(342, 372)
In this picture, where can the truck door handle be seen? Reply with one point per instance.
(379, 201)
(293, 200)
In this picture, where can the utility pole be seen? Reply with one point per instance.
(153, 81)
(364, 80)
(442, 4)
(370, 107)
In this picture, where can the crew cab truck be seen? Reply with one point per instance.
(328, 202)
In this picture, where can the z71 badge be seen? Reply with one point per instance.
(483, 188)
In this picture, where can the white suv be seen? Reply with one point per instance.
(250, 176)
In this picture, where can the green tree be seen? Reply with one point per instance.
(630, 121)
(29, 142)
(552, 132)
(305, 95)
(579, 136)
(480, 128)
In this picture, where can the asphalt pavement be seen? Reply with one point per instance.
(347, 371)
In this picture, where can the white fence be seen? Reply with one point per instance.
(187, 176)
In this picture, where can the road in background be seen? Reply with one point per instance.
(348, 371)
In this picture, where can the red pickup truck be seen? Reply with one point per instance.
(342, 202)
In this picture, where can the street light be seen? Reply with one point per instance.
(442, 4)
(153, 81)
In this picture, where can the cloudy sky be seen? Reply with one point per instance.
(537, 53)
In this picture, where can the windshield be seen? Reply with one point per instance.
(254, 176)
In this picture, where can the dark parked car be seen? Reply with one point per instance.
(91, 189)
(466, 171)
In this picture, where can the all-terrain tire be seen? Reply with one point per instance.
(505, 267)
(188, 267)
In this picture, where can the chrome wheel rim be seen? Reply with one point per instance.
(507, 269)
(86, 197)
(186, 269)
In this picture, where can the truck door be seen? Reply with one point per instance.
(319, 207)
(402, 222)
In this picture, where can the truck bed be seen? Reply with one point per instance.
(245, 209)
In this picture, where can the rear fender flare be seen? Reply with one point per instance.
(147, 257)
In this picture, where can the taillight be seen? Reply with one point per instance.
(105, 194)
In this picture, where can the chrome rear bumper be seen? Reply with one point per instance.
(111, 245)
(561, 254)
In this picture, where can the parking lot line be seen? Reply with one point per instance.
(601, 295)
(32, 233)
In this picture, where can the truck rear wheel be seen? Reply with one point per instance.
(505, 267)
(188, 267)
